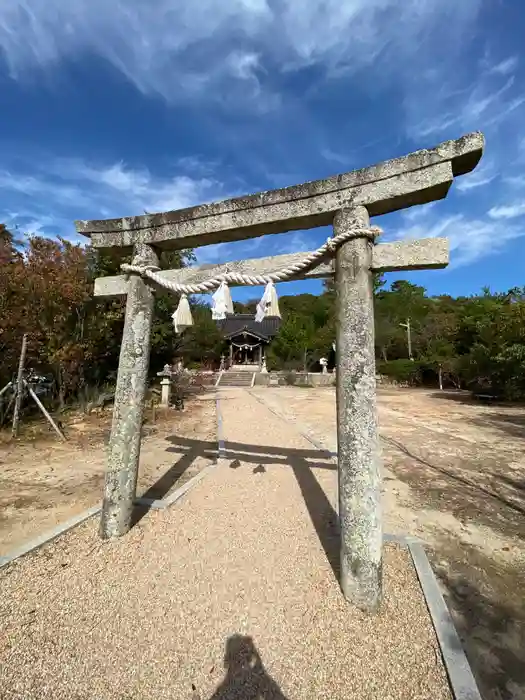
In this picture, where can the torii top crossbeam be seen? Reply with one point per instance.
(417, 178)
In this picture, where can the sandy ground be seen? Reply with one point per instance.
(232, 593)
(454, 476)
(44, 482)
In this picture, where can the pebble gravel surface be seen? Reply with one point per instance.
(229, 594)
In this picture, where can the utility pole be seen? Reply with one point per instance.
(409, 338)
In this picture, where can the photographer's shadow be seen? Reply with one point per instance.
(246, 677)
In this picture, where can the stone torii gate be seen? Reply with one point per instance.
(345, 201)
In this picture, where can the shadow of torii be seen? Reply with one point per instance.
(302, 462)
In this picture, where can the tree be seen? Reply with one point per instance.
(202, 343)
(46, 291)
(291, 348)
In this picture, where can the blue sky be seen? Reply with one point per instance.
(110, 108)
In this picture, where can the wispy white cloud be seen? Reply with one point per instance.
(33, 187)
(334, 157)
(482, 105)
(141, 189)
(509, 211)
(34, 223)
(176, 48)
(471, 239)
(515, 181)
(418, 213)
(508, 65)
(490, 99)
(481, 176)
(60, 190)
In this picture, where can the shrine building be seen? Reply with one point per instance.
(248, 339)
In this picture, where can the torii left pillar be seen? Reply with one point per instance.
(130, 393)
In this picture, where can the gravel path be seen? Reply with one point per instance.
(230, 594)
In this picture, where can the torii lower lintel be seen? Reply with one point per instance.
(426, 253)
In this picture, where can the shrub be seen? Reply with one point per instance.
(290, 378)
(402, 371)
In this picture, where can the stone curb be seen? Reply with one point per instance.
(49, 536)
(459, 672)
(158, 504)
(461, 678)
(221, 452)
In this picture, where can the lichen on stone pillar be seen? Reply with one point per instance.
(130, 392)
(358, 450)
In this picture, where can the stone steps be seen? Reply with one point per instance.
(238, 378)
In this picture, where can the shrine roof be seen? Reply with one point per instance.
(238, 323)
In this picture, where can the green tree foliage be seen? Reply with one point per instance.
(475, 342)
(202, 344)
(46, 291)
(291, 348)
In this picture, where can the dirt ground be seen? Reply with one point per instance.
(454, 475)
(44, 482)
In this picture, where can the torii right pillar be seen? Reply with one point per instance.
(359, 467)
